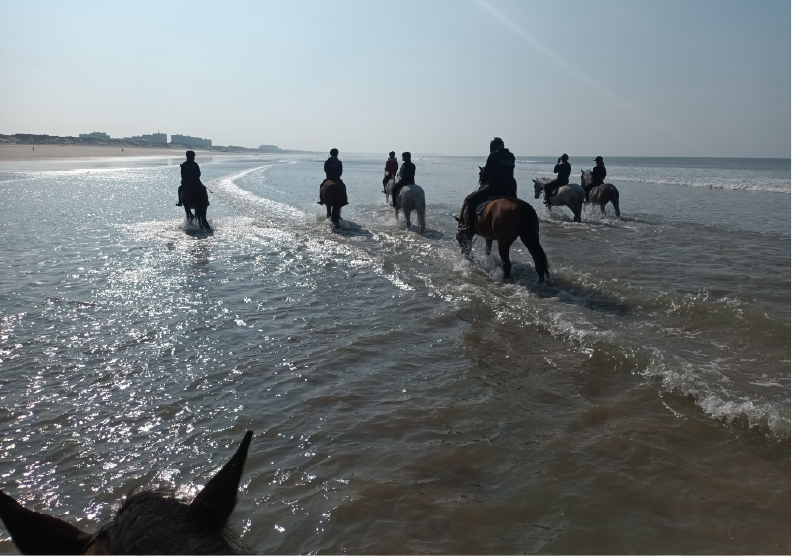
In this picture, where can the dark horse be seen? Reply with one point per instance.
(334, 196)
(504, 220)
(602, 194)
(148, 522)
(194, 196)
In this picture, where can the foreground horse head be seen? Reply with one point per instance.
(571, 195)
(602, 194)
(334, 196)
(148, 521)
(504, 220)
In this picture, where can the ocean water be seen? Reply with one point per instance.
(404, 399)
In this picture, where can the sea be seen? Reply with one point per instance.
(404, 398)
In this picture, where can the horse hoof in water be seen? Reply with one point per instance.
(148, 521)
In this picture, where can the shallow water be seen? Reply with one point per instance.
(405, 399)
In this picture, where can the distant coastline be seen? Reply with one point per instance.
(34, 140)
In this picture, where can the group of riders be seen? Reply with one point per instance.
(496, 178)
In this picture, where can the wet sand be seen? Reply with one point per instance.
(50, 152)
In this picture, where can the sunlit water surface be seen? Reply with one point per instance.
(403, 398)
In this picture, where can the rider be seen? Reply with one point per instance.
(333, 169)
(563, 169)
(406, 177)
(190, 173)
(391, 166)
(598, 174)
(498, 177)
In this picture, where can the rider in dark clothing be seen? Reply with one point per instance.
(563, 169)
(498, 177)
(598, 174)
(406, 177)
(333, 168)
(190, 173)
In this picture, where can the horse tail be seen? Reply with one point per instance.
(529, 234)
(420, 208)
(615, 200)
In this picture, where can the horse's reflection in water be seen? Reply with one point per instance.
(148, 522)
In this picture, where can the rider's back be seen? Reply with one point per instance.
(499, 170)
(190, 172)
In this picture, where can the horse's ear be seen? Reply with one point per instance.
(35, 533)
(457, 219)
(481, 169)
(215, 503)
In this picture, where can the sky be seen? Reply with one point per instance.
(585, 77)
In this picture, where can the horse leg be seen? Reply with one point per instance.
(407, 218)
(489, 247)
(189, 213)
(615, 203)
(602, 207)
(503, 251)
(329, 211)
(336, 215)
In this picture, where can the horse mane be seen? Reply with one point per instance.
(157, 521)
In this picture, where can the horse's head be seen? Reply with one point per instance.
(538, 187)
(148, 522)
(585, 177)
(481, 171)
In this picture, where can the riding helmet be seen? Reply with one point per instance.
(333, 152)
(406, 154)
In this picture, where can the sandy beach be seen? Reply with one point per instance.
(51, 152)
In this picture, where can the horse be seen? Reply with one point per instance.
(411, 197)
(149, 521)
(571, 195)
(602, 194)
(333, 196)
(194, 196)
(504, 220)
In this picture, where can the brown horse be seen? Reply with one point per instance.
(504, 220)
(148, 521)
(334, 196)
(194, 196)
(602, 194)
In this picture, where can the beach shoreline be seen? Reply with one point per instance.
(18, 153)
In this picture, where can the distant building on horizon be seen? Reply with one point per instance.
(161, 138)
(95, 135)
(269, 148)
(190, 141)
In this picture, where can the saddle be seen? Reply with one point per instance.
(480, 208)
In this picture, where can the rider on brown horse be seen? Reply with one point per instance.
(333, 169)
(190, 174)
(598, 174)
(498, 177)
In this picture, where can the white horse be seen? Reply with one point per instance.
(410, 198)
(571, 195)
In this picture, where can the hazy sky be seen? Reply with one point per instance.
(653, 78)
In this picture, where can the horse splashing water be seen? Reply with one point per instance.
(410, 198)
(334, 196)
(602, 194)
(150, 521)
(504, 220)
(571, 195)
(194, 196)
